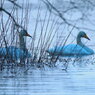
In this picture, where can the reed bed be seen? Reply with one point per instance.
(11, 22)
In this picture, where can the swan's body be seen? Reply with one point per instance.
(78, 49)
(14, 53)
(70, 50)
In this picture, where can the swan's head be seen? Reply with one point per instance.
(83, 35)
(24, 33)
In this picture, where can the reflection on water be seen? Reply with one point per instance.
(55, 81)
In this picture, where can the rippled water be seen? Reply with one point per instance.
(77, 80)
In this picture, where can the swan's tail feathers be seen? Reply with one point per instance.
(51, 52)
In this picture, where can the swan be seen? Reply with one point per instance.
(15, 53)
(78, 49)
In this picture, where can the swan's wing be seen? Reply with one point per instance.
(72, 49)
(17, 53)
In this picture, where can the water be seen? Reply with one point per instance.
(55, 81)
(79, 79)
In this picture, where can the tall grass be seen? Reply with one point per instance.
(46, 26)
(19, 18)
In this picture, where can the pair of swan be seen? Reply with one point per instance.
(15, 53)
(78, 49)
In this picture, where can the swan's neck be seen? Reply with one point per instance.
(79, 42)
(22, 43)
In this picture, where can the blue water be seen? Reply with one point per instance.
(55, 81)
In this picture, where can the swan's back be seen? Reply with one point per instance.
(71, 50)
(14, 53)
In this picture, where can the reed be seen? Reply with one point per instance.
(20, 20)
(46, 26)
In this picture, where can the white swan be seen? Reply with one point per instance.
(78, 49)
(15, 53)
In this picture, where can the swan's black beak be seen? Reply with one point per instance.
(28, 35)
(86, 37)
